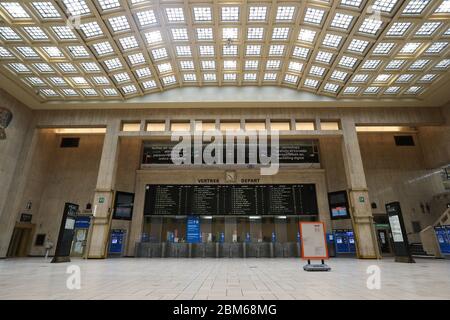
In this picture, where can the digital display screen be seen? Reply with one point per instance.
(123, 207)
(338, 202)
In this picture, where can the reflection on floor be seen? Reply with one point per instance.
(35, 278)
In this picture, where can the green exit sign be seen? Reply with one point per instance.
(362, 199)
(101, 200)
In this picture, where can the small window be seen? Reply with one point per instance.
(304, 125)
(180, 126)
(255, 125)
(205, 126)
(156, 126)
(233, 126)
(403, 141)
(70, 142)
(135, 126)
(329, 125)
(280, 125)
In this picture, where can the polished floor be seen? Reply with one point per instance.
(127, 278)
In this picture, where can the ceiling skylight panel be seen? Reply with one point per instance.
(179, 34)
(183, 51)
(169, 80)
(311, 83)
(295, 66)
(187, 65)
(129, 89)
(332, 40)
(360, 78)
(175, 14)
(209, 77)
(392, 90)
(229, 76)
(331, 87)
(79, 80)
(67, 67)
(103, 48)
(290, 78)
(43, 67)
(27, 52)
(159, 53)
(128, 43)
(69, 92)
(280, 33)
(372, 90)
(415, 6)
(100, 80)
(49, 92)
(189, 77)
(136, 59)
(255, 33)
(351, 90)
(89, 92)
(90, 67)
(384, 5)
(317, 71)
(428, 77)
(398, 29)
(122, 77)
(307, 35)
(230, 50)
(150, 84)
(276, 50)
(58, 81)
(109, 4)
(419, 64)
(64, 32)
(146, 18)
(395, 64)
(444, 7)
(76, 7)
(230, 65)
(119, 23)
(444, 64)
(253, 50)
(300, 52)
(358, 45)
(110, 92)
(370, 26)
(314, 16)
(206, 50)
(143, 72)
(270, 76)
(410, 48)
(436, 47)
(91, 29)
(19, 67)
(164, 67)
(15, 10)
(257, 13)
(53, 52)
(202, 14)
(285, 13)
(273, 64)
(371, 64)
(230, 13)
(251, 64)
(5, 53)
(348, 62)
(342, 21)
(250, 76)
(36, 33)
(46, 9)
(113, 64)
(204, 33)
(9, 34)
(153, 37)
(428, 28)
(352, 3)
(78, 51)
(208, 65)
(230, 33)
(339, 75)
(383, 48)
(324, 57)
(413, 90)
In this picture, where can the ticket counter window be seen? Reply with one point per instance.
(256, 234)
(174, 229)
(206, 229)
(152, 229)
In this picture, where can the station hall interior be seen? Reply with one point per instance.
(353, 96)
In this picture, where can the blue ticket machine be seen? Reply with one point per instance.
(116, 242)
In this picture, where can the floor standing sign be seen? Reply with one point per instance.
(314, 245)
(66, 231)
(401, 244)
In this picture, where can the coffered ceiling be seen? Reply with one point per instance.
(80, 50)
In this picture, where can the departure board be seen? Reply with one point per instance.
(273, 199)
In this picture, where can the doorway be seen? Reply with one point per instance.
(21, 240)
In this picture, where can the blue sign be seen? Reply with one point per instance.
(443, 237)
(247, 237)
(116, 242)
(344, 241)
(298, 236)
(222, 237)
(193, 229)
(82, 222)
(274, 237)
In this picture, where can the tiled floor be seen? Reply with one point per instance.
(35, 278)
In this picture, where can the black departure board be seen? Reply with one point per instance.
(273, 199)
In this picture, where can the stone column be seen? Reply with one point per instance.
(12, 205)
(104, 194)
(361, 211)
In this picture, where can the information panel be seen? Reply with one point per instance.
(275, 199)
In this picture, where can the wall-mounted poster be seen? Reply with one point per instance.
(314, 244)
